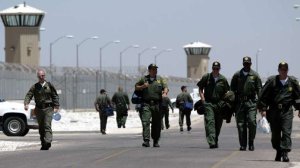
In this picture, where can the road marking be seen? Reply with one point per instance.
(112, 155)
(225, 159)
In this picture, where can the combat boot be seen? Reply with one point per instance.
(46, 146)
(242, 148)
(278, 156)
(251, 146)
(189, 128)
(285, 157)
(146, 143)
(155, 144)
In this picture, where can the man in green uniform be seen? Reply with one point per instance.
(46, 102)
(181, 100)
(165, 104)
(277, 97)
(246, 85)
(121, 101)
(101, 102)
(212, 88)
(152, 87)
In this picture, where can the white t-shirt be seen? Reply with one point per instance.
(283, 82)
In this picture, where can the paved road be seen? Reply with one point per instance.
(178, 150)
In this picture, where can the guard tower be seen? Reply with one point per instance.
(197, 59)
(22, 34)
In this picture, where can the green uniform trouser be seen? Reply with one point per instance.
(121, 118)
(281, 122)
(151, 111)
(213, 121)
(165, 114)
(246, 118)
(44, 118)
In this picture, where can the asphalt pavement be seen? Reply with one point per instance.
(178, 150)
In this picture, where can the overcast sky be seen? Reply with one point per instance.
(235, 28)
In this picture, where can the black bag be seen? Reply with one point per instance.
(136, 97)
(199, 107)
(109, 111)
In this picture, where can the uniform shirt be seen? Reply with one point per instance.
(182, 98)
(274, 93)
(155, 88)
(214, 91)
(45, 93)
(102, 101)
(246, 85)
(121, 100)
(166, 102)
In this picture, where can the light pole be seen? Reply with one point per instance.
(120, 71)
(100, 56)
(162, 51)
(257, 54)
(77, 69)
(296, 6)
(77, 49)
(51, 45)
(139, 56)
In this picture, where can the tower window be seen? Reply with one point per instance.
(28, 51)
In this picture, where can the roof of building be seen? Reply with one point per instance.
(197, 45)
(21, 9)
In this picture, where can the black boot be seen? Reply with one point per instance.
(155, 144)
(285, 157)
(278, 156)
(146, 143)
(242, 148)
(251, 146)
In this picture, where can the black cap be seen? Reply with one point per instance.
(216, 64)
(283, 65)
(183, 87)
(102, 91)
(247, 60)
(152, 66)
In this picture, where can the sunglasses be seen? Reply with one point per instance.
(283, 70)
(216, 68)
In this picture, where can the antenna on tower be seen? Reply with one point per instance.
(24, 3)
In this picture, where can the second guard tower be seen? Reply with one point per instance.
(22, 34)
(197, 59)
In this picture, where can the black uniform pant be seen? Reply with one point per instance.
(281, 122)
(103, 121)
(187, 114)
(165, 114)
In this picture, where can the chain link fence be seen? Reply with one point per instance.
(77, 88)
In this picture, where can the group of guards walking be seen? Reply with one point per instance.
(273, 100)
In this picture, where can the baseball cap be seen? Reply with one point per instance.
(247, 60)
(152, 66)
(102, 91)
(283, 65)
(216, 64)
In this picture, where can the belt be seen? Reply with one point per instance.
(283, 106)
(151, 102)
(246, 98)
(44, 105)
